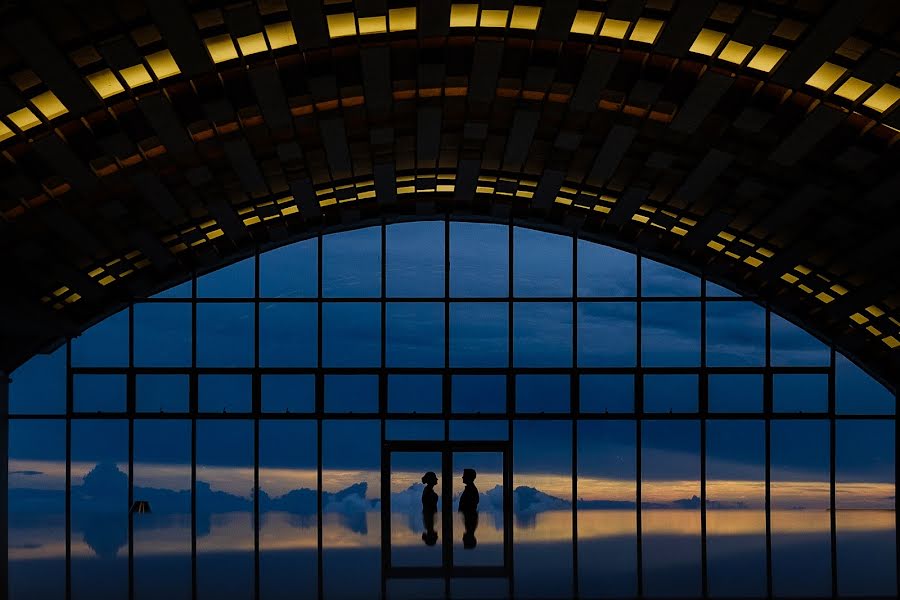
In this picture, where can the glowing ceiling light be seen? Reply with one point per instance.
(24, 119)
(221, 48)
(884, 98)
(826, 76)
(766, 58)
(162, 64)
(525, 17)
(614, 28)
(853, 88)
(369, 25)
(646, 31)
(252, 44)
(135, 76)
(5, 132)
(402, 19)
(49, 105)
(105, 83)
(586, 22)
(463, 15)
(735, 52)
(281, 35)
(707, 42)
(494, 18)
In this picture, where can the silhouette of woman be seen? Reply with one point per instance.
(468, 506)
(429, 507)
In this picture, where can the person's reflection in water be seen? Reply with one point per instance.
(429, 508)
(468, 506)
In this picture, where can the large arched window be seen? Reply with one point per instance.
(660, 434)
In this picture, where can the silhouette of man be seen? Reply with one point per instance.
(468, 506)
(429, 508)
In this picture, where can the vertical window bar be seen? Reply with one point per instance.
(320, 409)
(194, 409)
(510, 408)
(573, 412)
(639, 416)
(130, 407)
(767, 415)
(832, 469)
(255, 407)
(69, 407)
(704, 574)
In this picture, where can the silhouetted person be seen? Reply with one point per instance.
(468, 501)
(468, 506)
(429, 508)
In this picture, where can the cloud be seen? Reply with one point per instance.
(27, 472)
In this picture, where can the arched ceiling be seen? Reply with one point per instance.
(141, 140)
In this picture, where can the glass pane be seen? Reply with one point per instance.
(99, 497)
(288, 393)
(414, 429)
(162, 335)
(225, 561)
(290, 271)
(182, 290)
(351, 527)
(351, 334)
(607, 521)
(479, 334)
(162, 393)
(288, 335)
(735, 334)
(39, 386)
(415, 393)
(224, 393)
(477, 489)
(288, 528)
(415, 259)
(479, 393)
(801, 523)
(36, 494)
(671, 334)
(351, 393)
(351, 264)
(865, 501)
(605, 271)
(416, 529)
(670, 497)
(542, 393)
(225, 335)
(542, 265)
(735, 393)
(234, 281)
(542, 500)
(658, 279)
(607, 334)
(857, 393)
(479, 431)
(162, 537)
(542, 334)
(670, 393)
(104, 344)
(735, 505)
(415, 334)
(607, 393)
(99, 393)
(717, 291)
(793, 347)
(479, 260)
(800, 392)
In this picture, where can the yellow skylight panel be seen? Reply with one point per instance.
(494, 18)
(859, 319)
(766, 58)
(24, 119)
(402, 19)
(107, 280)
(252, 44)
(281, 35)
(884, 98)
(5, 132)
(586, 22)
(49, 105)
(614, 28)
(105, 83)
(853, 88)
(646, 30)
(753, 261)
(823, 297)
(341, 25)
(875, 311)
(221, 48)
(826, 76)
(790, 278)
(891, 341)
(370, 25)
(135, 76)
(873, 330)
(463, 15)
(707, 42)
(525, 17)
(162, 64)
(735, 52)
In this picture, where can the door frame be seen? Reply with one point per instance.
(446, 450)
